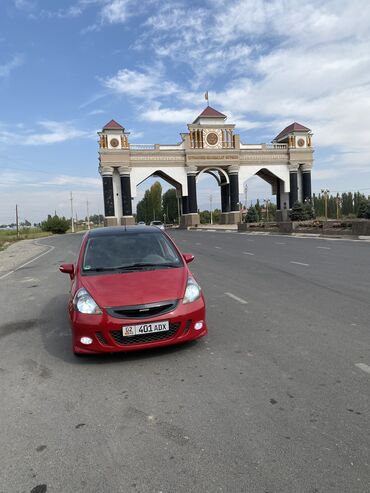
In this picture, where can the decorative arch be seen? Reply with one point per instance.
(176, 177)
(221, 171)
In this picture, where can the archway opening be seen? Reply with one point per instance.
(263, 192)
(158, 199)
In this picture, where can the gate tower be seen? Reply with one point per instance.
(210, 146)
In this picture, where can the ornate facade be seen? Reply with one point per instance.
(210, 146)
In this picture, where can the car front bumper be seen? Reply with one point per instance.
(106, 332)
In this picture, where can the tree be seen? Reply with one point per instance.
(258, 208)
(297, 213)
(55, 224)
(205, 217)
(308, 210)
(169, 203)
(96, 219)
(150, 207)
(364, 209)
(252, 215)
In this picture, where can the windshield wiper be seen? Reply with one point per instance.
(144, 265)
(132, 267)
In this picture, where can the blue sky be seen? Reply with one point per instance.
(69, 66)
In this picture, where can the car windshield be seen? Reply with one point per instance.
(156, 223)
(130, 252)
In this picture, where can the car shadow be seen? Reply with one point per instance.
(56, 338)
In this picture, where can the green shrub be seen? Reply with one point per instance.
(364, 209)
(55, 224)
(252, 215)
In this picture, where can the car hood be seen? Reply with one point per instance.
(136, 288)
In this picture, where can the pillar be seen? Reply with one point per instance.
(192, 194)
(225, 197)
(278, 191)
(108, 193)
(126, 195)
(234, 192)
(184, 204)
(126, 199)
(293, 179)
(306, 182)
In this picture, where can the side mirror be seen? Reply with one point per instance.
(67, 269)
(188, 257)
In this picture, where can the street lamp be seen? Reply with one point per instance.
(325, 192)
(210, 207)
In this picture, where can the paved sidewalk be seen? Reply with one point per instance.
(19, 253)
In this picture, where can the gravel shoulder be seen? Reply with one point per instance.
(18, 253)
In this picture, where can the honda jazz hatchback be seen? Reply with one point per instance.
(131, 289)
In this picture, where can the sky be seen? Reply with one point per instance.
(67, 67)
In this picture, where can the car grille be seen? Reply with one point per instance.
(187, 327)
(101, 338)
(142, 311)
(142, 338)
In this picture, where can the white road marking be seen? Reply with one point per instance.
(51, 248)
(324, 248)
(248, 253)
(299, 263)
(363, 367)
(236, 298)
(7, 274)
(279, 243)
(219, 248)
(198, 243)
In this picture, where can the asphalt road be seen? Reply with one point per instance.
(274, 400)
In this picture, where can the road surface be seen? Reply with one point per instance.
(275, 399)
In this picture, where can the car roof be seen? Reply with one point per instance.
(121, 230)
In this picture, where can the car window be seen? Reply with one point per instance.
(118, 251)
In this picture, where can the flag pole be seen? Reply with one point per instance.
(206, 97)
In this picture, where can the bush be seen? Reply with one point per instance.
(297, 213)
(364, 209)
(308, 210)
(58, 225)
(252, 215)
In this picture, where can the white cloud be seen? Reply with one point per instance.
(52, 133)
(115, 11)
(168, 115)
(96, 112)
(135, 135)
(25, 4)
(149, 84)
(8, 67)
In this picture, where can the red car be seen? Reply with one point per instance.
(132, 289)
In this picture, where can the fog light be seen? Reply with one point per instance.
(198, 326)
(86, 340)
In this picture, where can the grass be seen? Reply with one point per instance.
(7, 237)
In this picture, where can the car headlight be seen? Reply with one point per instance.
(85, 303)
(192, 291)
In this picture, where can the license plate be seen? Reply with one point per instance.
(141, 329)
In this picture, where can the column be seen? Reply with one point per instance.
(234, 191)
(184, 204)
(225, 197)
(126, 192)
(108, 192)
(278, 190)
(293, 179)
(306, 182)
(192, 194)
